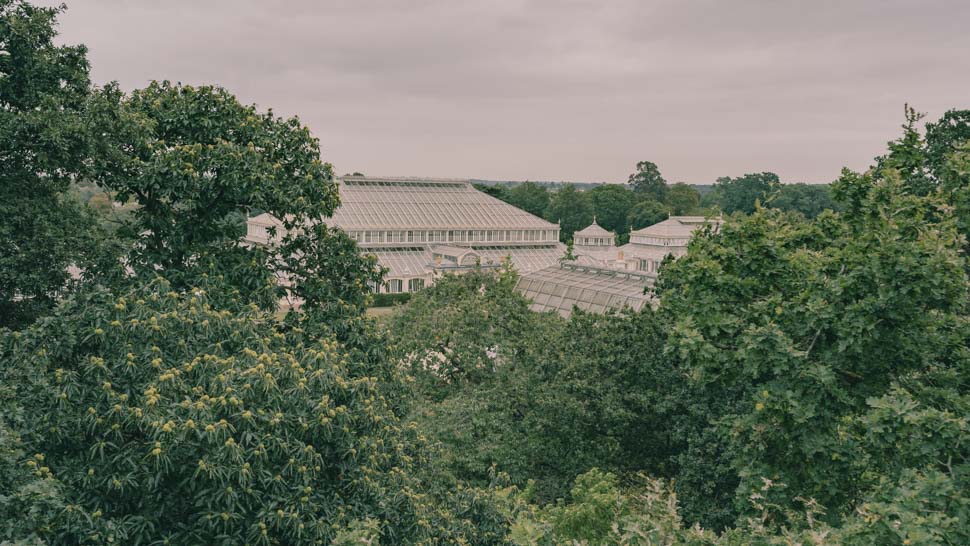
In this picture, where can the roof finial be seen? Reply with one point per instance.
(594, 219)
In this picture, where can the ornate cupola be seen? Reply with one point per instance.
(594, 235)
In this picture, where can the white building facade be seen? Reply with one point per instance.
(605, 277)
(595, 246)
(422, 228)
(649, 246)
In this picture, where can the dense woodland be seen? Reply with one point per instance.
(803, 378)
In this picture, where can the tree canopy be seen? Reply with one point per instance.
(611, 205)
(648, 182)
(571, 208)
(682, 199)
(498, 191)
(800, 379)
(530, 197)
(545, 399)
(808, 199)
(808, 382)
(162, 416)
(647, 213)
(221, 161)
(741, 193)
(44, 145)
(944, 138)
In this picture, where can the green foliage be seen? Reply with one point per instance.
(530, 197)
(43, 145)
(647, 213)
(611, 206)
(328, 286)
(596, 503)
(682, 199)
(601, 512)
(920, 507)
(548, 399)
(168, 419)
(919, 511)
(711, 200)
(25, 496)
(326, 274)
(808, 199)
(938, 163)
(197, 163)
(955, 186)
(498, 191)
(573, 210)
(387, 300)
(478, 515)
(907, 158)
(944, 137)
(706, 480)
(42, 234)
(803, 380)
(459, 330)
(601, 405)
(365, 532)
(786, 328)
(648, 183)
(570, 255)
(460, 339)
(740, 194)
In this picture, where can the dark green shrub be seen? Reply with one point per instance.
(387, 300)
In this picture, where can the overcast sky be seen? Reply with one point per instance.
(568, 90)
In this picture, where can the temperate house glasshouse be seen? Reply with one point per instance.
(603, 276)
(420, 228)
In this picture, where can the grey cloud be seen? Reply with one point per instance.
(576, 90)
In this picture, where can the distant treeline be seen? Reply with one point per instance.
(548, 184)
(647, 198)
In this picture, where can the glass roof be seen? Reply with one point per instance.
(593, 289)
(593, 230)
(425, 204)
(403, 204)
(525, 259)
(675, 226)
(409, 262)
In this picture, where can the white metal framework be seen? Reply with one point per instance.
(423, 205)
(595, 289)
(594, 235)
(649, 246)
(603, 276)
(420, 228)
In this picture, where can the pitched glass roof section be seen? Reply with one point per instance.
(675, 226)
(592, 255)
(559, 288)
(593, 230)
(413, 203)
(524, 259)
(418, 227)
(405, 262)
